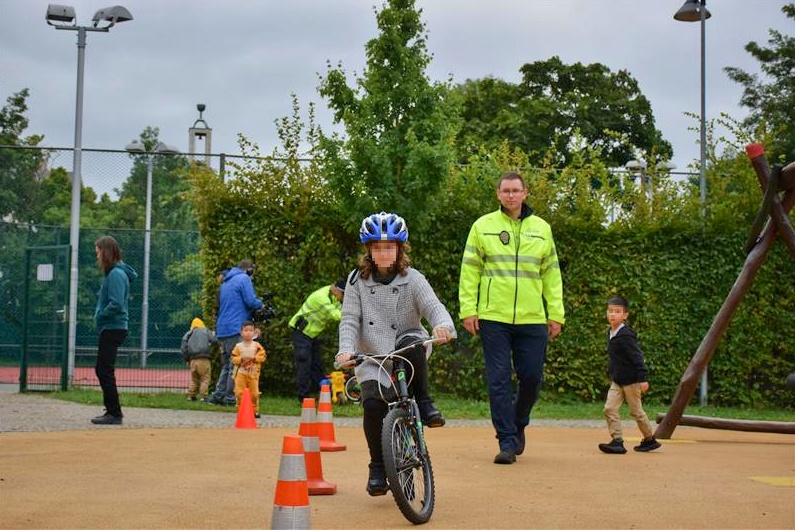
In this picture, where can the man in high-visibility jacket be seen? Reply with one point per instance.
(511, 292)
(321, 308)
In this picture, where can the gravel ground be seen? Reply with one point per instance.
(30, 412)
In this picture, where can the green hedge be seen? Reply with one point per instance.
(675, 273)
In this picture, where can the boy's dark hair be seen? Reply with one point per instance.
(619, 300)
(246, 323)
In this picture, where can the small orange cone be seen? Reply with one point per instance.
(314, 466)
(291, 500)
(245, 412)
(325, 422)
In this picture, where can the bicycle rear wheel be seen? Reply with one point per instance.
(408, 468)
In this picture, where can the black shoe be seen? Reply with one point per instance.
(256, 415)
(615, 447)
(376, 480)
(505, 457)
(192, 398)
(229, 403)
(106, 419)
(521, 438)
(647, 444)
(430, 415)
(210, 400)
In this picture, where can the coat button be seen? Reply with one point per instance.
(395, 290)
(394, 326)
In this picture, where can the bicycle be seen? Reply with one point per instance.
(406, 458)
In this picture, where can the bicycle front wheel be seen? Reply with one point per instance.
(408, 468)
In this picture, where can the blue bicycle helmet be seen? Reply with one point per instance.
(383, 227)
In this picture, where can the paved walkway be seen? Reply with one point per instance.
(32, 412)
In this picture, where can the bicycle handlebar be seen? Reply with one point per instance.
(360, 357)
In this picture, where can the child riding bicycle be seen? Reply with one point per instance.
(385, 300)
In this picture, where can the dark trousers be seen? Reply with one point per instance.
(521, 347)
(308, 366)
(109, 342)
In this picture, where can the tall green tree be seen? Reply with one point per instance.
(553, 104)
(399, 128)
(20, 169)
(771, 99)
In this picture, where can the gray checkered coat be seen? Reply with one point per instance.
(376, 316)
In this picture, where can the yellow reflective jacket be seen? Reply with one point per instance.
(510, 270)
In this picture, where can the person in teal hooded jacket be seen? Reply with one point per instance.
(112, 318)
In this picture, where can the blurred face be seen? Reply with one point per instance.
(616, 315)
(247, 333)
(384, 254)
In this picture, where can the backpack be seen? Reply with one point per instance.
(198, 343)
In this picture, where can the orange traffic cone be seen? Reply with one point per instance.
(314, 466)
(245, 412)
(291, 501)
(325, 422)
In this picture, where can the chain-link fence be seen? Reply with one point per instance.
(175, 270)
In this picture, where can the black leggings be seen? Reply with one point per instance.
(375, 411)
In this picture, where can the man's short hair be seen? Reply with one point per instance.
(619, 300)
(510, 176)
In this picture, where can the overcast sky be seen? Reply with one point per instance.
(243, 59)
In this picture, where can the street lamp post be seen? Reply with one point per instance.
(63, 17)
(138, 147)
(696, 11)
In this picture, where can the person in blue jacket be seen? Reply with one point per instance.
(236, 302)
(112, 318)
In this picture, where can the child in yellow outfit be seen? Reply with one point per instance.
(247, 357)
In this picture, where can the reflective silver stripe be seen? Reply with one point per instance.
(472, 262)
(512, 258)
(290, 518)
(311, 444)
(493, 273)
(292, 468)
(324, 417)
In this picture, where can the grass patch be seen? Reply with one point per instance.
(453, 408)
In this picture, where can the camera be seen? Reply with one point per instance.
(267, 312)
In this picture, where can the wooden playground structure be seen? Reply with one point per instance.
(772, 221)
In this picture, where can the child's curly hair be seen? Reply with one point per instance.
(403, 262)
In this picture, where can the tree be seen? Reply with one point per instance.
(772, 100)
(399, 127)
(169, 189)
(20, 169)
(553, 104)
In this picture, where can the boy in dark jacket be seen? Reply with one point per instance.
(196, 348)
(628, 380)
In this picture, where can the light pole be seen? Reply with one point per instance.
(138, 147)
(63, 17)
(696, 11)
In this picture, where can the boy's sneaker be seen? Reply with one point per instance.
(192, 398)
(257, 415)
(648, 444)
(615, 447)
